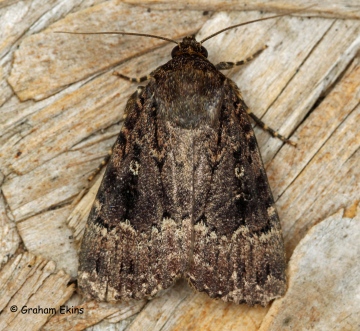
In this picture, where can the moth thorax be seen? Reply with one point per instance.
(193, 100)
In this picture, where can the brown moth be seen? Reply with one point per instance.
(185, 193)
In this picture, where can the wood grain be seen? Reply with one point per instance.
(328, 279)
(324, 174)
(328, 8)
(26, 282)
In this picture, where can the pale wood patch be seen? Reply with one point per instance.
(324, 277)
(326, 8)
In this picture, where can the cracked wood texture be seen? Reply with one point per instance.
(61, 110)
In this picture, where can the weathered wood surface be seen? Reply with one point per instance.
(325, 8)
(29, 283)
(305, 84)
(92, 313)
(328, 278)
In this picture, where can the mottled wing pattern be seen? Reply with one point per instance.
(130, 248)
(238, 247)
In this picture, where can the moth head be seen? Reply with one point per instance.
(189, 45)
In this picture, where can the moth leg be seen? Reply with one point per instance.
(230, 65)
(270, 130)
(133, 80)
(106, 159)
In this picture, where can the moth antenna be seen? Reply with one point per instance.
(249, 22)
(122, 33)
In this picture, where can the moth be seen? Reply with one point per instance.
(185, 193)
